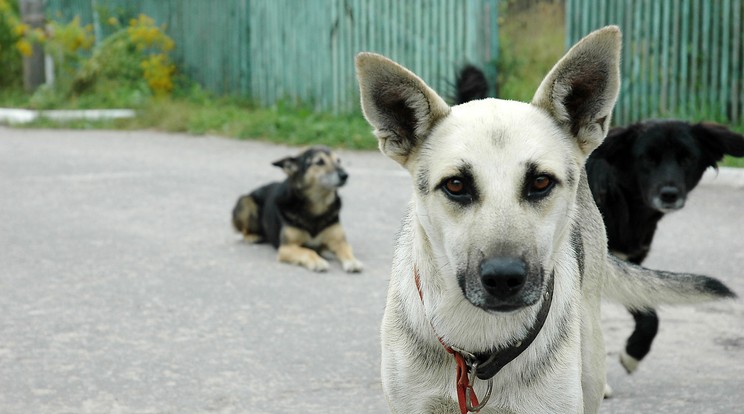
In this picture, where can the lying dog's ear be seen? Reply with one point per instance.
(716, 141)
(581, 89)
(290, 165)
(398, 104)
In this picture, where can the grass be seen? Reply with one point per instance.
(13, 97)
(286, 124)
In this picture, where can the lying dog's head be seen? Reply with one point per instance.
(495, 181)
(315, 169)
(665, 159)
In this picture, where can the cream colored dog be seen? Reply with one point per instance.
(502, 260)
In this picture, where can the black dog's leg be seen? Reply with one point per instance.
(639, 343)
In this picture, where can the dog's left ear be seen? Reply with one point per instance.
(398, 104)
(290, 165)
(581, 89)
(716, 141)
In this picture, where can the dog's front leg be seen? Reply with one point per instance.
(298, 255)
(292, 251)
(335, 239)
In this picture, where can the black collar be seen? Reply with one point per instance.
(490, 363)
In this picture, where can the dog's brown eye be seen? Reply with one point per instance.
(539, 186)
(455, 186)
(459, 189)
(541, 183)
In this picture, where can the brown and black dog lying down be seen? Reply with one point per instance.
(300, 216)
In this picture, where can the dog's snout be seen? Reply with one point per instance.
(342, 175)
(669, 194)
(503, 277)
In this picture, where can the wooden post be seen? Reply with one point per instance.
(32, 14)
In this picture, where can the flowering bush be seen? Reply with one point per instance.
(122, 69)
(133, 59)
(10, 59)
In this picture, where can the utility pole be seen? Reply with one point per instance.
(32, 14)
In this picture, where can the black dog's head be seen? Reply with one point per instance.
(317, 168)
(666, 159)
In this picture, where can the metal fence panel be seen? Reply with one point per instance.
(274, 50)
(681, 58)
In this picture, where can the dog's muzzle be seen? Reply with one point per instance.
(669, 198)
(342, 176)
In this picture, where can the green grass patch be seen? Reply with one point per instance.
(729, 161)
(13, 97)
(286, 124)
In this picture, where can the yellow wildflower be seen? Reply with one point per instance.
(24, 46)
(20, 29)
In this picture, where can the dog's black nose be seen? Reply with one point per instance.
(669, 194)
(343, 175)
(503, 277)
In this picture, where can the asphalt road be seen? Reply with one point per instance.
(123, 288)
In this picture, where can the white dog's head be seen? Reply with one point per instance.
(496, 181)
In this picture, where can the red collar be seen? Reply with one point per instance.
(464, 384)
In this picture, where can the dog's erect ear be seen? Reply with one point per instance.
(398, 104)
(290, 165)
(717, 141)
(581, 89)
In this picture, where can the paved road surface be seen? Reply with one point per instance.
(123, 288)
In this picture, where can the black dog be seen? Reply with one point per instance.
(640, 173)
(300, 216)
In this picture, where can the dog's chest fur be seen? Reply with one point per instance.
(297, 211)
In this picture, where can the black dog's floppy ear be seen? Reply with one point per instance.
(717, 141)
(290, 165)
(617, 147)
(581, 89)
(398, 104)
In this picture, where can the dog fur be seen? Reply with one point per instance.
(638, 174)
(300, 216)
(501, 185)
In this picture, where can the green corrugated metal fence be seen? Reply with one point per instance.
(681, 58)
(273, 50)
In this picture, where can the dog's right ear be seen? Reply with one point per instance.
(581, 89)
(398, 104)
(290, 165)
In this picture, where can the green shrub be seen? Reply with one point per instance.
(11, 75)
(124, 70)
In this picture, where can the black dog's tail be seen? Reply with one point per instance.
(471, 84)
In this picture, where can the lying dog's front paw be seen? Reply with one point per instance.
(352, 266)
(252, 238)
(318, 265)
